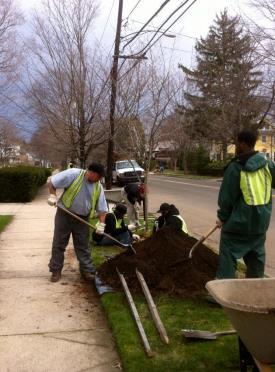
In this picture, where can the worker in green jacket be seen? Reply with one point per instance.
(245, 203)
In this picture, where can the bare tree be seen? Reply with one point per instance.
(68, 85)
(8, 138)
(10, 19)
(263, 32)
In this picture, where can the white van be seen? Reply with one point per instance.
(126, 171)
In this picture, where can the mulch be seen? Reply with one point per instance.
(163, 261)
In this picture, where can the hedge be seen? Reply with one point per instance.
(21, 183)
(215, 168)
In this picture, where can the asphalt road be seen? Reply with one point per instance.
(197, 202)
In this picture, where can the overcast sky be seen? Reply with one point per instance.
(192, 25)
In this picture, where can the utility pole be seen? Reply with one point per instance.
(113, 77)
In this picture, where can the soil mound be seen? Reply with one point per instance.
(163, 261)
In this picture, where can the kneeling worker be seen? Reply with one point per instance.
(170, 216)
(115, 226)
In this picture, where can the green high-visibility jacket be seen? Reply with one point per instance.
(245, 200)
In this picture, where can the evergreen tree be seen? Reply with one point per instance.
(221, 98)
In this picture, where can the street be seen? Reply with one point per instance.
(197, 202)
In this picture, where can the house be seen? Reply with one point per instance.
(265, 144)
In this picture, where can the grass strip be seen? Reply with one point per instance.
(4, 221)
(176, 313)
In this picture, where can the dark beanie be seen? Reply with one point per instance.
(97, 168)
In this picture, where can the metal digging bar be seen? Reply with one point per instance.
(94, 228)
(134, 311)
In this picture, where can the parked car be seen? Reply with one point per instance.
(126, 171)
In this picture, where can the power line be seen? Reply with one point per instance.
(150, 19)
(106, 22)
(166, 20)
(137, 61)
(126, 19)
(174, 33)
(168, 28)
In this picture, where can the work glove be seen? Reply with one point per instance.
(131, 227)
(219, 223)
(100, 228)
(136, 237)
(52, 200)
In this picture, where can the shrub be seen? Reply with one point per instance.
(21, 183)
(215, 168)
(197, 159)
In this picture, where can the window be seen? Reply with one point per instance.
(263, 138)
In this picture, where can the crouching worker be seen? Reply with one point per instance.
(169, 217)
(115, 227)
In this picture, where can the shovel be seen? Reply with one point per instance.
(202, 239)
(94, 228)
(205, 335)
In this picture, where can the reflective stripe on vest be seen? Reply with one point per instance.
(256, 186)
(71, 192)
(184, 227)
(118, 222)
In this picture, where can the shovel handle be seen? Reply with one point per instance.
(202, 239)
(94, 228)
(224, 333)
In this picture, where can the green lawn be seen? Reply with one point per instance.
(180, 173)
(176, 314)
(4, 220)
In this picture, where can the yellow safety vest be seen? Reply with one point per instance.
(256, 186)
(118, 222)
(184, 227)
(71, 192)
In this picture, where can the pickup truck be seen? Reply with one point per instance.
(126, 171)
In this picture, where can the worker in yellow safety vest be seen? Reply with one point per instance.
(83, 195)
(115, 227)
(245, 203)
(170, 217)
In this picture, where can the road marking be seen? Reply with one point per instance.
(198, 185)
(194, 184)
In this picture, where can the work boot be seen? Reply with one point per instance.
(88, 276)
(56, 276)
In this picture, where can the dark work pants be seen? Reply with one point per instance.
(65, 225)
(235, 246)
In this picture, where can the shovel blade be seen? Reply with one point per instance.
(205, 335)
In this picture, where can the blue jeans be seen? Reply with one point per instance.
(123, 238)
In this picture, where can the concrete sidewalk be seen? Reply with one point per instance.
(47, 326)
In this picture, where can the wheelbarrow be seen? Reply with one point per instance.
(250, 306)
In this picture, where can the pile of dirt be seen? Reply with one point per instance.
(163, 261)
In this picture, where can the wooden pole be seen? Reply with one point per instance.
(134, 311)
(113, 76)
(153, 309)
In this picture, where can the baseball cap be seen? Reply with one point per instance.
(97, 168)
(163, 207)
(121, 208)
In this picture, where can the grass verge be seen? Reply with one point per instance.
(4, 221)
(179, 173)
(176, 314)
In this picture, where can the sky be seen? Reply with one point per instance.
(192, 25)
